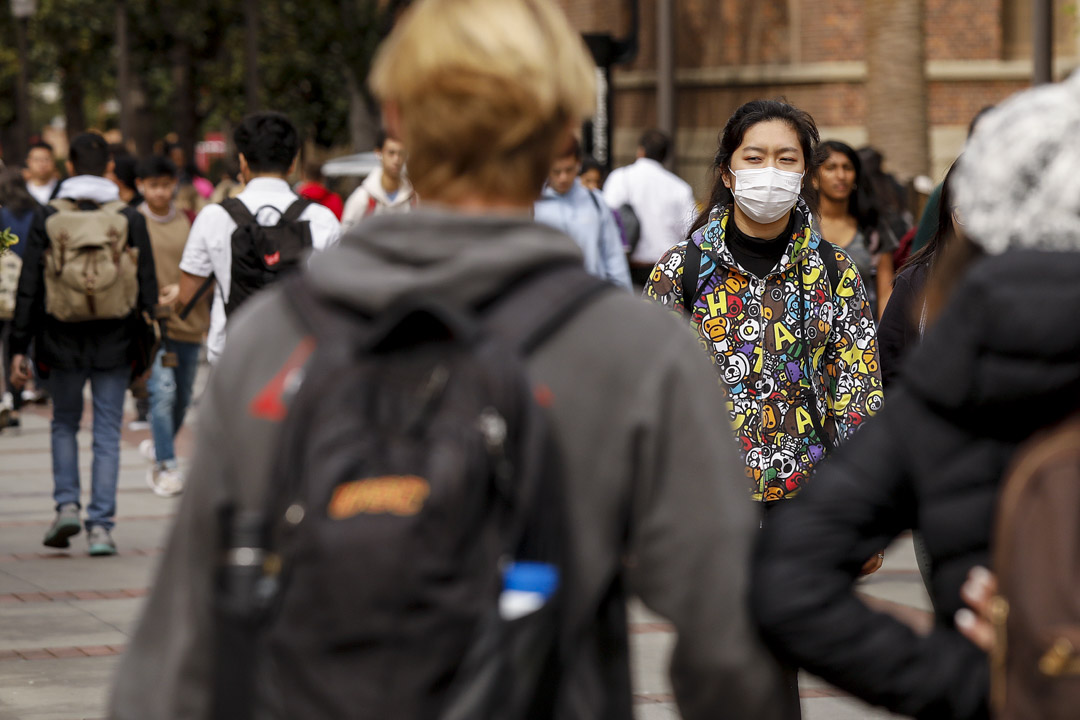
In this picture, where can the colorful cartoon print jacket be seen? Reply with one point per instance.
(752, 327)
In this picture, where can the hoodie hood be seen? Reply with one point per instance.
(89, 187)
(373, 184)
(458, 259)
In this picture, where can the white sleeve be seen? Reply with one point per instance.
(355, 207)
(197, 259)
(615, 194)
(325, 228)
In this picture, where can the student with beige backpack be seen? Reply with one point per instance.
(86, 291)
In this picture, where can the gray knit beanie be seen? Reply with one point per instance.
(1018, 182)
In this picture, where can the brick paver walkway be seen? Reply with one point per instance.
(65, 617)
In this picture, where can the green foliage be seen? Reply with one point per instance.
(7, 239)
(305, 49)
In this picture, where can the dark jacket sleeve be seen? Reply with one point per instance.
(896, 334)
(809, 557)
(139, 237)
(30, 296)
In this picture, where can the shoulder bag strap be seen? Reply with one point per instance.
(238, 211)
(294, 211)
(534, 308)
(689, 281)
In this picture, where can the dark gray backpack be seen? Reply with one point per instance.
(413, 548)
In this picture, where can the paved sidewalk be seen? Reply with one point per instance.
(65, 617)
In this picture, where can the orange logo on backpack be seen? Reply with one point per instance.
(401, 495)
(272, 260)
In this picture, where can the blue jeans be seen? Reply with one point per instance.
(170, 395)
(107, 388)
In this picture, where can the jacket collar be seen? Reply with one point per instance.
(711, 238)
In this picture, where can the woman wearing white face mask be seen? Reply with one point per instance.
(801, 376)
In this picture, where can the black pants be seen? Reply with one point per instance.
(6, 327)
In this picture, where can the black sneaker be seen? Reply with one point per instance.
(64, 526)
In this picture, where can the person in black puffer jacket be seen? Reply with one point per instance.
(1001, 362)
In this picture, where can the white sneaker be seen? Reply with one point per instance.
(137, 425)
(165, 482)
(146, 449)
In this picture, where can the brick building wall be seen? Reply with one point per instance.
(813, 53)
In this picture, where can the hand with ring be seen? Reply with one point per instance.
(872, 565)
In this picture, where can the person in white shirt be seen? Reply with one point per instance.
(268, 145)
(40, 172)
(386, 189)
(663, 202)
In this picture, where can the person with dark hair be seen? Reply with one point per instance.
(386, 190)
(314, 188)
(172, 375)
(123, 173)
(40, 173)
(84, 332)
(231, 183)
(904, 321)
(997, 366)
(849, 218)
(654, 145)
(18, 212)
(782, 312)
(268, 145)
(591, 174)
(662, 202)
(567, 205)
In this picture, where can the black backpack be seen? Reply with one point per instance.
(263, 253)
(415, 513)
(631, 226)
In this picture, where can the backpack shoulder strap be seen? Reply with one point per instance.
(827, 251)
(689, 281)
(294, 211)
(238, 211)
(534, 308)
(63, 204)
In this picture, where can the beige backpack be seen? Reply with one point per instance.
(90, 271)
(10, 267)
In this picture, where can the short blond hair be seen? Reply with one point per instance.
(486, 90)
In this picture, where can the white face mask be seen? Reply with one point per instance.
(766, 194)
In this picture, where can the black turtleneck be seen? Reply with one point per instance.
(755, 255)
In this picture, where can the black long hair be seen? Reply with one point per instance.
(945, 232)
(862, 203)
(13, 193)
(744, 118)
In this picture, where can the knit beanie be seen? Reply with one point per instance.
(1018, 182)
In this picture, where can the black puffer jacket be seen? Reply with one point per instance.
(1002, 362)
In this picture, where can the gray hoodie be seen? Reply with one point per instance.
(657, 499)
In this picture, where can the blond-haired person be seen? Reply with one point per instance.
(483, 92)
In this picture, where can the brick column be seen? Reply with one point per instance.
(896, 92)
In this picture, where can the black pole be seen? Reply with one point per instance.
(1042, 41)
(22, 100)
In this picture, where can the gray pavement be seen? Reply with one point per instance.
(66, 617)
